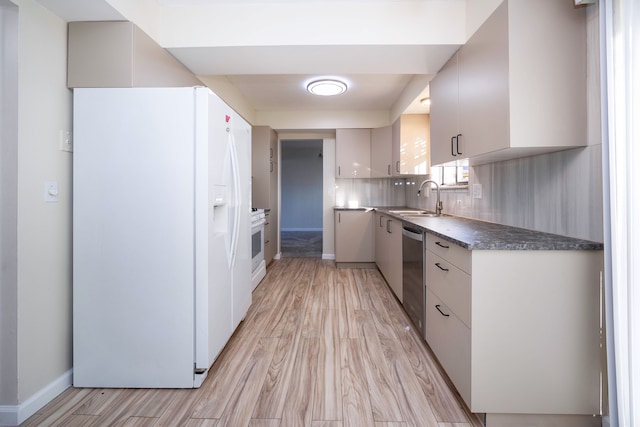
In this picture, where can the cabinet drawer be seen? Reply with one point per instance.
(450, 340)
(451, 285)
(457, 255)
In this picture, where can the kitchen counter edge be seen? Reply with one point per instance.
(473, 234)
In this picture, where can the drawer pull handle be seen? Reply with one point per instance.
(438, 308)
(441, 267)
(442, 246)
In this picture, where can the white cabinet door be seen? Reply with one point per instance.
(354, 236)
(393, 229)
(389, 251)
(411, 145)
(381, 147)
(444, 114)
(353, 153)
(450, 340)
(381, 243)
(483, 107)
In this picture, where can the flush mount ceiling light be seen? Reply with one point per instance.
(327, 87)
(425, 101)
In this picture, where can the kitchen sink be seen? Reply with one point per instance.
(422, 215)
(404, 212)
(414, 213)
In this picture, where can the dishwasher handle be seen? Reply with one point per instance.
(412, 233)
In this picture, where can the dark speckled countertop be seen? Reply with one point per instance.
(482, 235)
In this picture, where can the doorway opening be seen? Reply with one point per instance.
(301, 171)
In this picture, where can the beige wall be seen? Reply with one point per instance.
(44, 350)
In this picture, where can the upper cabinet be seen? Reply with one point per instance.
(401, 149)
(353, 153)
(119, 54)
(445, 131)
(264, 167)
(411, 145)
(381, 156)
(516, 88)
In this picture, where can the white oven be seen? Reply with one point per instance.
(258, 267)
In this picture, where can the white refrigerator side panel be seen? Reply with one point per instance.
(133, 238)
(202, 234)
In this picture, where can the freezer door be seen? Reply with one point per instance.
(133, 238)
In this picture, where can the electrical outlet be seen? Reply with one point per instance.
(66, 141)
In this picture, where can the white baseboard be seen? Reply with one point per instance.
(328, 256)
(13, 415)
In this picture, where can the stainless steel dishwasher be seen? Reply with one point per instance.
(413, 275)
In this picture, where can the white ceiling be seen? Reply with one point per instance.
(273, 78)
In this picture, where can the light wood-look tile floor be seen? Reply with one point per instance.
(320, 347)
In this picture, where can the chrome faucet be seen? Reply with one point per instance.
(438, 201)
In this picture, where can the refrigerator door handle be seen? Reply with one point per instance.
(235, 183)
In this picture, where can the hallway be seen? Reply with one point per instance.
(304, 244)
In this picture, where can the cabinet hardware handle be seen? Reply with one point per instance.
(388, 226)
(271, 153)
(458, 143)
(398, 166)
(380, 220)
(270, 166)
(339, 171)
(452, 152)
(442, 246)
(438, 308)
(339, 217)
(389, 170)
(266, 241)
(441, 267)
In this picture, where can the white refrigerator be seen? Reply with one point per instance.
(161, 234)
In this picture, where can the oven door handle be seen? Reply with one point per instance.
(256, 225)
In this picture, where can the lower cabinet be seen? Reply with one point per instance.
(450, 340)
(388, 242)
(270, 238)
(518, 332)
(354, 237)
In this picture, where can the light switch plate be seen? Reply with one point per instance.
(51, 191)
(66, 141)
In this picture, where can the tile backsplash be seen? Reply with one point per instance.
(370, 192)
(559, 193)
